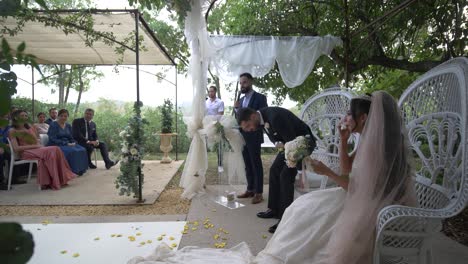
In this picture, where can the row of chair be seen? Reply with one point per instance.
(17, 161)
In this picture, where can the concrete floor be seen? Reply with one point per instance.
(95, 187)
(241, 223)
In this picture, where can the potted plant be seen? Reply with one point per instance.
(166, 130)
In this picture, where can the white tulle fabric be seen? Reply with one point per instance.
(228, 57)
(233, 162)
(196, 163)
(295, 56)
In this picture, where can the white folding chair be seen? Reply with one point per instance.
(13, 161)
(44, 139)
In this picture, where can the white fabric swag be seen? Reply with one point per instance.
(228, 57)
(295, 56)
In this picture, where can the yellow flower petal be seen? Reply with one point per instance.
(113, 235)
(131, 238)
(46, 222)
(96, 238)
(119, 235)
(264, 236)
(174, 245)
(63, 252)
(171, 238)
(76, 255)
(149, 241)
(184, 232)
(194, 228)
(216, 236)
(138, 234)
(159, 238)
(195, 223)
(142, 243)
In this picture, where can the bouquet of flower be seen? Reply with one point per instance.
(297, 149)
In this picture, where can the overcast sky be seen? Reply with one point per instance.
(122, 86)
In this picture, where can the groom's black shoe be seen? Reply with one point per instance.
(268, 214)
(272, 228)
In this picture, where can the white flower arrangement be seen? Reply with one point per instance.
(217, 131)
(132, 151)
(297, 149)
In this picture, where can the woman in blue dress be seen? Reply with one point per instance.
(60, 134)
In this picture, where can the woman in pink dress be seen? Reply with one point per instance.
(53, 170)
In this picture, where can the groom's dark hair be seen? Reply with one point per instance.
(244, 114)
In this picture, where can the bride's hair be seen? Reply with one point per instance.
(360, 105)
(381, 176)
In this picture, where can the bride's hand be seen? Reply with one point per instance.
(345, 133)
(318, 167)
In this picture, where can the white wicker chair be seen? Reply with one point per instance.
(434, 109)
(322, 112)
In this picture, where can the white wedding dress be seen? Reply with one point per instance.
(301, 237)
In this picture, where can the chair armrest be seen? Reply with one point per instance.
(395, 212)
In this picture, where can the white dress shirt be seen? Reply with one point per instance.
(214, 107)
(247, 97)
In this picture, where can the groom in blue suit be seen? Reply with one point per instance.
(253, 140)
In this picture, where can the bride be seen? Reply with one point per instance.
(337, 225)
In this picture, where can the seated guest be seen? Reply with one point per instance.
(53, 170)
(5, 156)
(52, 115)
(41, 127)
(60, 134)
(84, 132)
(12, 109)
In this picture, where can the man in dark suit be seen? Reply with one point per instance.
(253, 140)
(281, 126)
(84, 132)
(52, 116)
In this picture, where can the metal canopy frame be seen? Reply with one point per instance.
(138, 20)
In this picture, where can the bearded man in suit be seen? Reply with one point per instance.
(281, 126)
(253, 140)
(84, 132)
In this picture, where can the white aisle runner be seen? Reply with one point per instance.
(101, 242)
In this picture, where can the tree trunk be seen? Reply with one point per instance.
(70, 78)
(80, 91)
(61, 84)
(216, 81)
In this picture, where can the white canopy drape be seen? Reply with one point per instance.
(295, 56)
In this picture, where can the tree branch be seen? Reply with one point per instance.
(208, 11)
(420, 66)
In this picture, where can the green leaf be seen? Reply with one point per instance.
(5, 66)
(5, 47)
(21, 47)
(17, 245)
(42, 4)
(9, 7)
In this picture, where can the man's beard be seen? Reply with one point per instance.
(245, 90)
